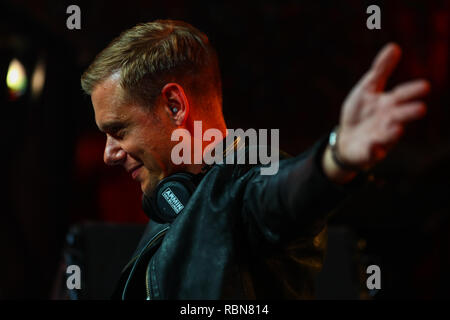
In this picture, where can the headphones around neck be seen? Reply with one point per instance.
(172, 193)
(170, 196)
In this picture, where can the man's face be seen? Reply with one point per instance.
(137, 139)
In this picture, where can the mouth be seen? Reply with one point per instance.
(135, 171)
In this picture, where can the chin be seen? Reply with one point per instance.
(148, 186)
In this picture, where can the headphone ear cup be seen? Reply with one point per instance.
(169, 198)
(149, 207)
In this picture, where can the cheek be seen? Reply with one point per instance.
(152, 159)
(159, 149)
(153, 146)
(158, 164)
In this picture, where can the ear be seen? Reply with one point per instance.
(175, 103)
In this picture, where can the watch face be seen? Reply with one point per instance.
(333, 136)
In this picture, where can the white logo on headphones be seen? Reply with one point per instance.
(172, 200)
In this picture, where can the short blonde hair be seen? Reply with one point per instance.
(152, 54)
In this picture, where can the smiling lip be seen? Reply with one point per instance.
(135, 171)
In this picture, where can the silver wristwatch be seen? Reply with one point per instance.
(332, 141)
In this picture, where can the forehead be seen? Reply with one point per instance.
(108, 102)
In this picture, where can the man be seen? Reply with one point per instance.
(240, 234)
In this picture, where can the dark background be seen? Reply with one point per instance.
(286, 65)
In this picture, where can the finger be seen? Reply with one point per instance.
(409, 112)
(386, 140)
(382, 67)
(393, 134)
(411, 90)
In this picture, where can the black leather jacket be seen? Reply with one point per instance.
(242, 235)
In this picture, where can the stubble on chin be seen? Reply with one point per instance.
(149, 183)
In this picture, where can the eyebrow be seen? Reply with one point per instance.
(111, 126)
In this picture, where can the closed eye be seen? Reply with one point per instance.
(120, 133)
(115, 129)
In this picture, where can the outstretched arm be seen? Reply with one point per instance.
(308, 187)
(298, 200)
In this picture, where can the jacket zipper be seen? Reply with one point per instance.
(147, 281)
(147, 271)
(152, 240)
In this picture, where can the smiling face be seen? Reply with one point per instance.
(137, 139)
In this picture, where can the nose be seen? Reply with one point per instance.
(113, 154)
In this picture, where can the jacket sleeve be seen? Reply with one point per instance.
(295, 202)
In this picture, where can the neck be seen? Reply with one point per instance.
(197, 127)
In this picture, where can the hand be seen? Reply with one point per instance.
(372, 121)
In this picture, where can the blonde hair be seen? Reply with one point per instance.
(152, 54)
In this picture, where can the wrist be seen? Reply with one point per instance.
(335, 154)
(334, 167)
(333, 171)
